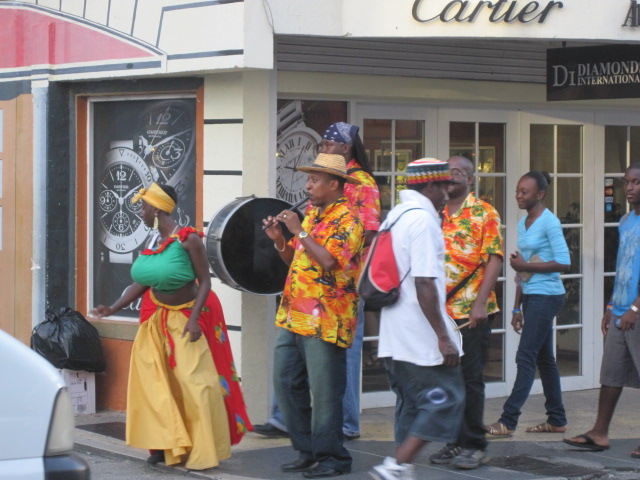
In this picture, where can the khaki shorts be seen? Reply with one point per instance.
(621, 357)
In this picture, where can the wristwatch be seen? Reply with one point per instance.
(165, 139)
(121, 227)
(297, 146)
(634, 309)
(302, 235)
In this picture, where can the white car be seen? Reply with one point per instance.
(36, 418)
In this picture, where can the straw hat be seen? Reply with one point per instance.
(331, 164)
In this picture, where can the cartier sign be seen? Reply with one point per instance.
(468, 11)
(593, 72)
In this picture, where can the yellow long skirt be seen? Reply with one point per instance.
(179, 410)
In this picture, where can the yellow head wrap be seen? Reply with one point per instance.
(156, 197)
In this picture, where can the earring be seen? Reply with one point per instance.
(155, 222)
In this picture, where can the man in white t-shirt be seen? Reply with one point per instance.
(418, 341)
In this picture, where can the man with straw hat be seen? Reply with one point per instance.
(317, 318)
(418, 341)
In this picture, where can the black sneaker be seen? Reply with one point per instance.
(270, 431)
(468, 459)
(446, 454)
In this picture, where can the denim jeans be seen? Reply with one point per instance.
(306, 367)
(536, 349)
(351, 401)
(475, 343)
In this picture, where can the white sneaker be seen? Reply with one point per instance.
(390, 470)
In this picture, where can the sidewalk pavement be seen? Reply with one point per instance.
(523, 456)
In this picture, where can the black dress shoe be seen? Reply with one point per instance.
(351, 437)
(300, 465)
(322, 471)
(156, 457)
(270, 431)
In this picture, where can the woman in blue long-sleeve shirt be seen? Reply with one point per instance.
(540, 295)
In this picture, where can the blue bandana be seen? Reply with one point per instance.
(341, 132)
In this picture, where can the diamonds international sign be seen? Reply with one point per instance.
(602, 72)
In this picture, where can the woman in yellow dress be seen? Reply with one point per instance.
(184, 401)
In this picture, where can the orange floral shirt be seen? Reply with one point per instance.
(470, 235)
(320, 303)
(364, 198)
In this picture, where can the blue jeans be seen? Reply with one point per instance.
(536, 349)
(351, 401)
(306, 367)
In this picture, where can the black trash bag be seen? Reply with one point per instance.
(68, 340)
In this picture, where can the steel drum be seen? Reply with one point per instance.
(241, 255)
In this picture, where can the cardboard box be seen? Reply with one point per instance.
(82, 388)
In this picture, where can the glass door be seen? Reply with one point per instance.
(393, 138)
(619, 146)
(563, 146)
(489, 140)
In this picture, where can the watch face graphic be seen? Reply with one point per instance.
(121, 227)
(165, 138)
(298, 148)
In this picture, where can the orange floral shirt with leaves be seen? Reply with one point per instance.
(470, 235)
(364, 198)
(320, 303)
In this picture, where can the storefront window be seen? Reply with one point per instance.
(135, 143)
(301, 124)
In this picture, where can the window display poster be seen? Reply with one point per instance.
(135, 143)
(301, 124)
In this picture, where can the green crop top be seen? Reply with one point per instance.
(166, 271)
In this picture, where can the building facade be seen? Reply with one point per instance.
(223, 98)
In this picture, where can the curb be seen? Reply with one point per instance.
(93, 443)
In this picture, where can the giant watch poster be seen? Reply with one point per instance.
(135, 143)
(301, 124)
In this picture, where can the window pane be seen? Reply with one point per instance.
(615, 200)
(569, 351)
(498, 321)
(615, 149)
(374, 376)
(491, 190)
(385, 185)
(542, 143)
(548, 198)
(462, 139)
(570, 313)
(494, 371)
(409, 142)
(492, 147)
(377, 142)
(608, 289)
(573, 237)
(611, 239)
(569, 195)
(401, 184)
(569, 149)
